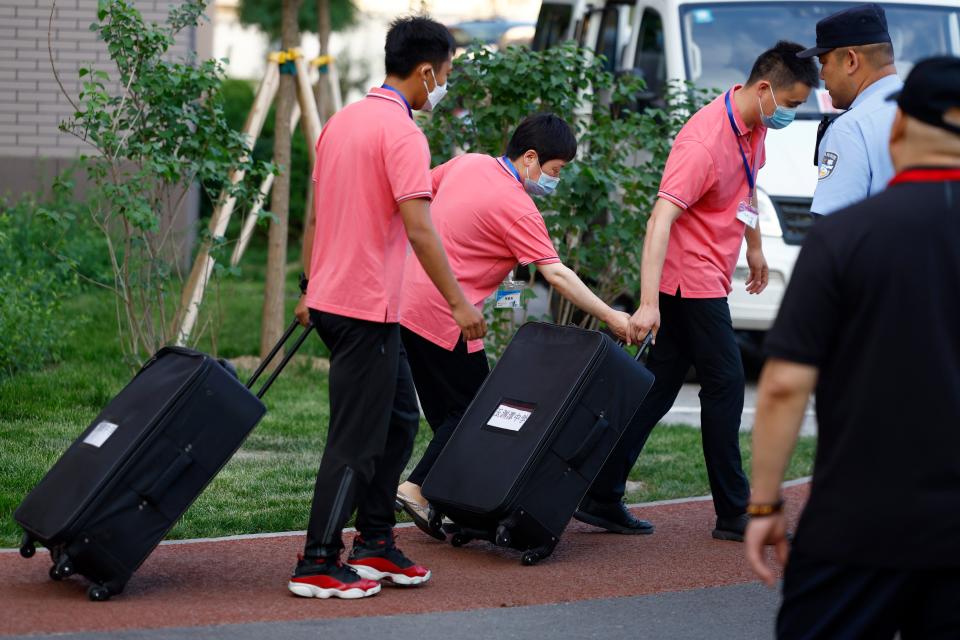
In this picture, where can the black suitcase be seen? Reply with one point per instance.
(535, 437)
(116, 492)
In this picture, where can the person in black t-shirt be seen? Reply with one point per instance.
(871, 321)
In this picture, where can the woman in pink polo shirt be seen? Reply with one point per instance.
(488, 223)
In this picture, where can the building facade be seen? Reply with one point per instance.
(32, 148)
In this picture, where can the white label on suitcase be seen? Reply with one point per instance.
(100, 434)
(509, 417)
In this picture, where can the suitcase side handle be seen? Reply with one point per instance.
(286, 358)
(590, 442)
(160, 486)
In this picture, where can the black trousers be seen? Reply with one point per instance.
(446, 382)
(827, 600)
(373, 422)
(696, 332)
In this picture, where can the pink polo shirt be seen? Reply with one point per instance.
(371, 156)
(705, 177)
(488, 224)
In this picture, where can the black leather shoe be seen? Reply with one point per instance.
(731, 528)
(613, 517)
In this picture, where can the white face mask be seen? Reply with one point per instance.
(433, 97)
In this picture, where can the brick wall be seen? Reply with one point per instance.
(31, 103)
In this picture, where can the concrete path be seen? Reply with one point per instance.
(745, 612)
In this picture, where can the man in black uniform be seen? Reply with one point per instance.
(871, 319)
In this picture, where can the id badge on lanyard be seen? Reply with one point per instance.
(510, 293)
(746, 212)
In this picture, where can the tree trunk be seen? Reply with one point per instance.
(273, 297)
(324, 96)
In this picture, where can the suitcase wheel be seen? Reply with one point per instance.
(27, 548)
(62, 570)
(502, 537)
(460, 539)
(531, 557)
(98, 593)
(435, 519)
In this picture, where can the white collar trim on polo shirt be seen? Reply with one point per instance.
(391, 98)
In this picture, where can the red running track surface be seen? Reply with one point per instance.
(237, 581)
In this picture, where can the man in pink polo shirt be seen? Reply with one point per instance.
(488, 223)
(372, 186)
(706, 204)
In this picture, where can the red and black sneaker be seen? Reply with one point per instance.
(329, 578)
(382, 560)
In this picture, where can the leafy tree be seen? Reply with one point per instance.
(156, 128)
(266, 15)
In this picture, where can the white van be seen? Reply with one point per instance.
(714, 44)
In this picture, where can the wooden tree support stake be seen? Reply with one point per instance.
(306, 113)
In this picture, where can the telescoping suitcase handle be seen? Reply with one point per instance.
(643, 346)
(286, 358)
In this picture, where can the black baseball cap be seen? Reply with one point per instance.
(932, 89)
(853, 27)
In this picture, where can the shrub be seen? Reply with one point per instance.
(44, 245)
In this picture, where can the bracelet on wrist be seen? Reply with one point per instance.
(759, 510)
(303, 282)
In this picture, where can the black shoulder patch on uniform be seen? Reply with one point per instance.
(828, 164)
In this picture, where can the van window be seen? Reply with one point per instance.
(716, 61)
(608, 37)
(651, 59)
(552, 25)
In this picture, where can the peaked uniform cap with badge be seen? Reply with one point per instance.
(857, 26)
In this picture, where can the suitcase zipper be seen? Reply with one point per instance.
(564, 414)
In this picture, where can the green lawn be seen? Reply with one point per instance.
(268, 485)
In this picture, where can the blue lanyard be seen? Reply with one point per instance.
(513, 169)
(736, 132)
(402, 97)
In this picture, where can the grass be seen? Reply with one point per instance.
(269, 484)
(672, 466)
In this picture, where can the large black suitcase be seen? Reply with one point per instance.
(535, 437)
(115, 493)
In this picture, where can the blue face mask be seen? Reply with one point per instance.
(544, 186)
(781, 115)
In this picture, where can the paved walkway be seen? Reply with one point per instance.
(746, 610)
(678, 583)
